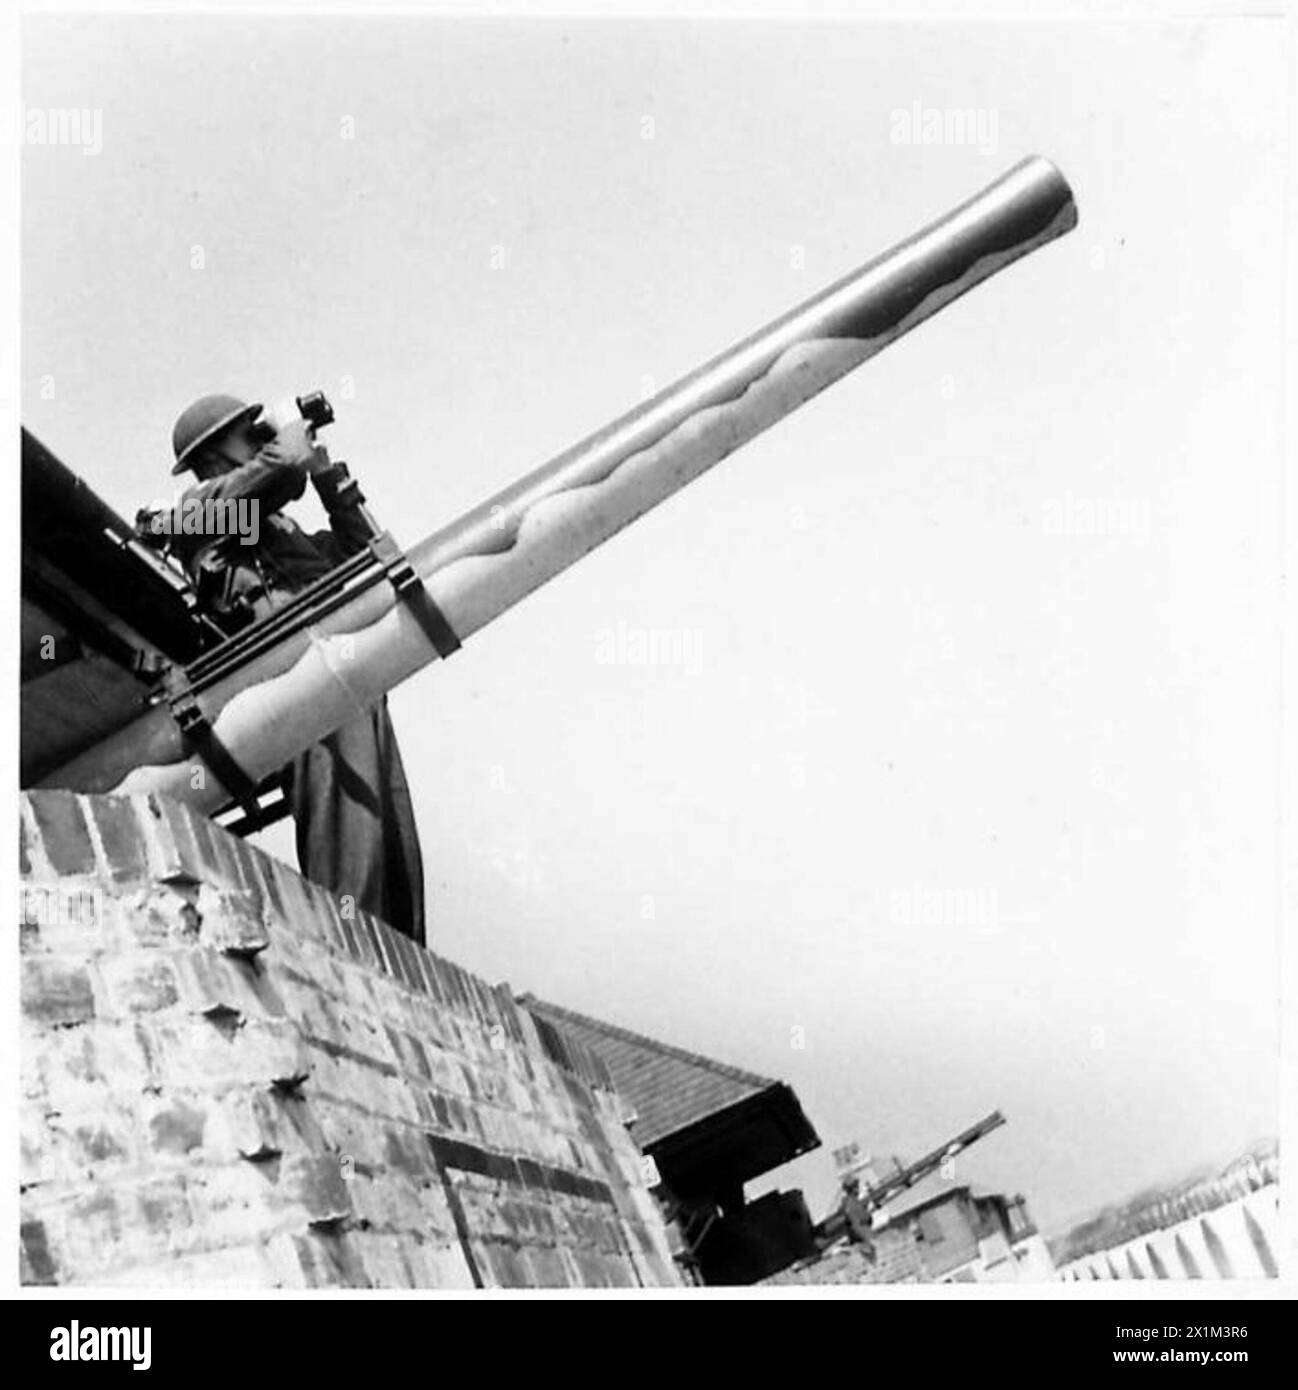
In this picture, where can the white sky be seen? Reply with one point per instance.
(905, 677)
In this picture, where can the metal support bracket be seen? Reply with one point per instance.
(199, 737)
(410, 589)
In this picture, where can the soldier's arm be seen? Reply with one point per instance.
(350, 529)
(271, 480)
(202, 517)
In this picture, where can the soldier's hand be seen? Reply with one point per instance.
(319, 460)
(294, 445)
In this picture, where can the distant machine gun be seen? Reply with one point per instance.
(854, 1215)
(252, 703)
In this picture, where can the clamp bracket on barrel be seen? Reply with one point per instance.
(199, 737)
(405, 579)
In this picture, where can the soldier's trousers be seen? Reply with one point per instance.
(355, 824)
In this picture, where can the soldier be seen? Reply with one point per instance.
(351, 805)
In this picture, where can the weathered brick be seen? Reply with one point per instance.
(500, 1265)
(385, 1205)
(397, 1045)
(234, 1161)
(411, 966)
(384, 950)
(87, 1142)
(301, 908)
(267, 871)
(546, 1268)
(243, 1204)
(323, 923)
(419, 1257)
(156, 916)
(424, 965)
(223, 848)
(240, 1267)
(213, 983)
(437, 1220)
(56, 993)
(243, 868)
(329, 1260)
(317, 1183)
(449, 1266)
(175, 856)
(175, 1127)
(232, 923)
(424, 1105)
(92, 1234)
(283, 1262)
(354, 1138)
(417, 969)
(460, 990)
(456, 989)
(317, 914)
(35, 1160)
(160, 1274)
(60, 1068)
(399, 965)
(218, 869)
(351, 939)
(137, 983)
(123, 849)
(162, 859)
(508, 1011)
(483, 1002)
(370, 943)
(419, 1057)
(164, 1207)
(255, 1124)
(65, 837)
(406, 1153)
(37, 1264)
(531, 1040)
(26, 841)
(383, 1259)
(439, 980)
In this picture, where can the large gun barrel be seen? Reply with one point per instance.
(297, 690)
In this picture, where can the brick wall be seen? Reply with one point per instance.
(230, 1080)
(897, 1260)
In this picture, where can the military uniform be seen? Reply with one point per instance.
(349, 797)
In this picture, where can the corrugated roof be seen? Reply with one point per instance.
(668, 1087)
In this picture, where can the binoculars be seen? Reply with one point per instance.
(315, 409)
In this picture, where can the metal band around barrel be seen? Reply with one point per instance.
(199, 737)
(410, 589)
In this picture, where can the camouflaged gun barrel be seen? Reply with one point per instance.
(285, 698)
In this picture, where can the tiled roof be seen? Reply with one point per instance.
(668, 1087)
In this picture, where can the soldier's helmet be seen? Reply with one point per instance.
(204, 420)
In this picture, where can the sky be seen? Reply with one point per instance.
(956, 784)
